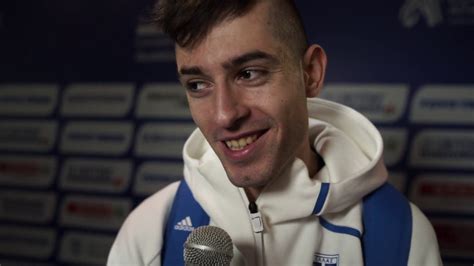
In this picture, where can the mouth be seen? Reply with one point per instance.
(241, 143)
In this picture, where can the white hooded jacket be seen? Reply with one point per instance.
(351, 148)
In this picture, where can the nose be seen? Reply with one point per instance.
(231, 108)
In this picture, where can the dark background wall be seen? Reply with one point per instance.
(92, 119)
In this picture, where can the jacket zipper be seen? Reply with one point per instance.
(257, 225)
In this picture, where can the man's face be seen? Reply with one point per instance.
(248, 98)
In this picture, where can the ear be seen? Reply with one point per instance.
(314, 67)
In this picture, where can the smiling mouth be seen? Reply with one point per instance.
(241, 143)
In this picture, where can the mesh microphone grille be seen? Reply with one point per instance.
(217, 247)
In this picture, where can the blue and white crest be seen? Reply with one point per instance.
(325, 260)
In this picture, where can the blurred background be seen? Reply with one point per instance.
(92, 119)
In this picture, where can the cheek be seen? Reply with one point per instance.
(290, 107)
(198, 114)
(293, 117)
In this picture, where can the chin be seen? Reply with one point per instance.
(250, 176)
(246, 181)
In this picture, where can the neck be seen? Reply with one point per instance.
(314, 164)
(252, 193)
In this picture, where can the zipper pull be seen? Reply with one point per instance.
(255, 218)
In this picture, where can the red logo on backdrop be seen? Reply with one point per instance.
(96, 212)
(21, 168)
(93, 210)
(458, 190)
(455, 237)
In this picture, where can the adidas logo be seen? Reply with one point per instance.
(184, 225)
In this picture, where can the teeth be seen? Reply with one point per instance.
(238, 144)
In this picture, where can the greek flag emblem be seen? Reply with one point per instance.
(325, 260)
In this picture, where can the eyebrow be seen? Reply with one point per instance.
(250, 56)
(233, 62)
(190, 71)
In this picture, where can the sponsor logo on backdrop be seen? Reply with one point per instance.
(27, 206)
(394, 144)
(97, 100)
(433, 13)
(153, 176)
(31, 242)
(162, 139)
(80, 247)
(151, 45)
(448, 104)
(94, 212)
(413, 10)
(96, 175)
(444, 193)
(455, 236)
(27, 135)
(163, 100)
(443, 149)
(27, 100)
(11, 262)
(379, 102)
(106, 137)
(31, 171)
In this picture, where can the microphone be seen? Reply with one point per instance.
(208, 245)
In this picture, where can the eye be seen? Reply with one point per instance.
(196, 86)
(248, 74)
(252, 76)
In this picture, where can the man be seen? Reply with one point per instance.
(248, 73)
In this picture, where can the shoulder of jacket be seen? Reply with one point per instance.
(424, 244)
(140, 238)
(157, 204)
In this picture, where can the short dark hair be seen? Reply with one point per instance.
(188, 22)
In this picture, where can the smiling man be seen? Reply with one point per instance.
(310, 170)
(247, 94)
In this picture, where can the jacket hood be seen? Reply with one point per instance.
(349, 144)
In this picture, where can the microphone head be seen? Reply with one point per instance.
(208, 245)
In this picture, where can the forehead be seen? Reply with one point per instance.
(232, 38)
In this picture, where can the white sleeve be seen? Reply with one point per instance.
(424, 245)
(140, 238)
